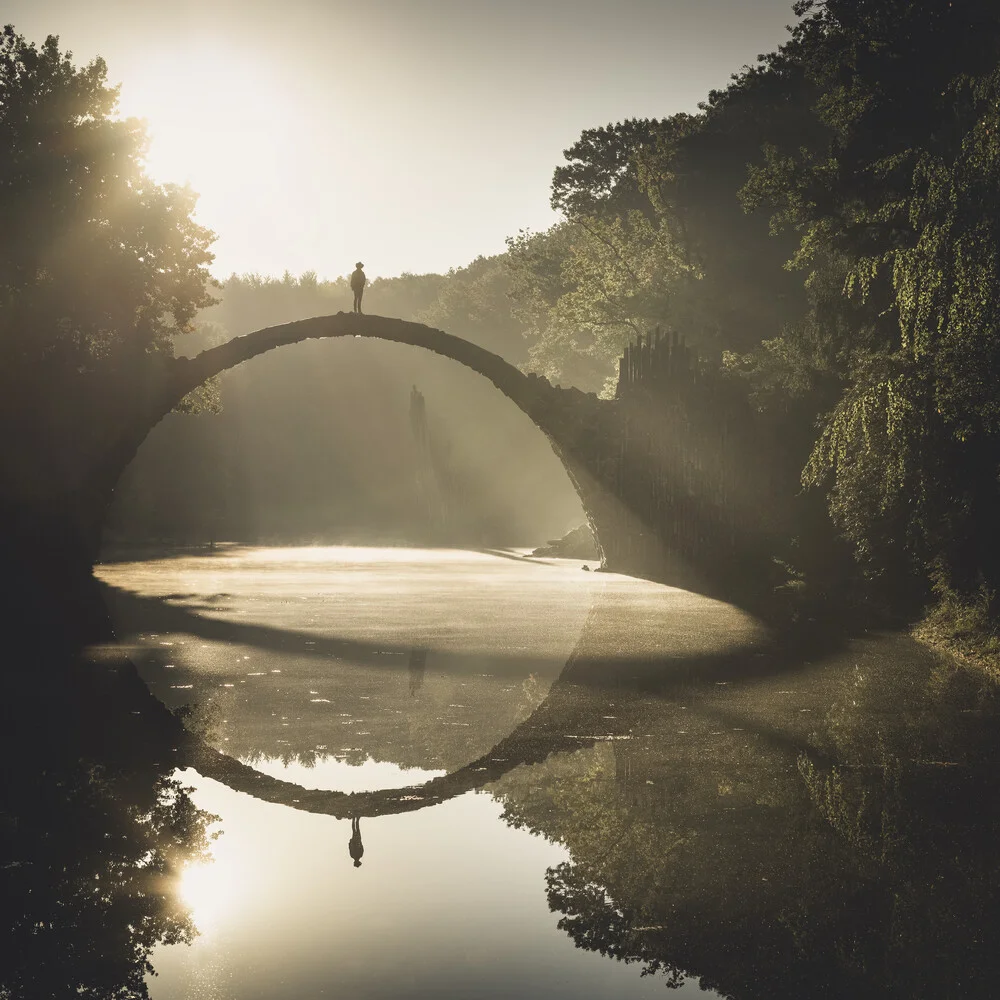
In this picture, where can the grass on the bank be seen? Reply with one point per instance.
(967, 627)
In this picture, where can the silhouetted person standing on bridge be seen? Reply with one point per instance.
(358, 282)
(354, 845)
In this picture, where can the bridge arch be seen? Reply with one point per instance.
(567, 417)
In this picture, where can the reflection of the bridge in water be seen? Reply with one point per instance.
(572, 716)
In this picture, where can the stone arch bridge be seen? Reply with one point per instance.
(595, 439)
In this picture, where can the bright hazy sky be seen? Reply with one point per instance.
(412, 135)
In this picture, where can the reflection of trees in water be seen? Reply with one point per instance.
(595, 923)
(863, 864)
(94, 832)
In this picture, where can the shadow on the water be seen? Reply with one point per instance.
(518, 557)
(783, 652)
(161, 615)
(575, 713)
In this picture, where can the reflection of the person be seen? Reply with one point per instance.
(416, 666)
(354, 846)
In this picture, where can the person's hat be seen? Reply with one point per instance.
(359, 264)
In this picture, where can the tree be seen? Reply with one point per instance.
(100, 268)
(611, 270)
(894, 200)
(475, 302)
(655, 235)
(96, 260)
(590, 285)
(602, 173)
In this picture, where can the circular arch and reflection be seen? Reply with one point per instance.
(566, 418)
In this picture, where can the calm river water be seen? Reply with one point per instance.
(501, 776)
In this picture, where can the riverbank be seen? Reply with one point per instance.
(965, 628)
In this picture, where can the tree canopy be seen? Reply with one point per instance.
(826, 228)
(97, 260)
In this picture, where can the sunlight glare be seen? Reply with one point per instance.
(214, 890)
(224, 124)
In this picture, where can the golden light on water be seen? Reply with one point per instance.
(219, 887)
(212, 892)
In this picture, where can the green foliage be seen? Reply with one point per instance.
(475, 302)
(602, 282)
(95, 849)
(864, 315)
(613, 269)
(854, 809)
(965, 624)
(655, 235)
(602, 175)
(894, 201)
